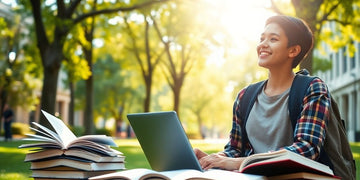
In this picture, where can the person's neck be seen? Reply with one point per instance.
(279, 82)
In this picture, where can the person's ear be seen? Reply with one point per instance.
(294, 51)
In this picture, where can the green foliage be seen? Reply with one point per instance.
(344, 20)
(20, 128)
(104, 131)
(321, 64)
(334, 22)
(75, 64)
(18, 79)
(118, 83)
(77, 130)
(193, 32)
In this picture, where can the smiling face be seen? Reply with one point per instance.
(273, 50)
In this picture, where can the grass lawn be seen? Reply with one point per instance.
(12, 166)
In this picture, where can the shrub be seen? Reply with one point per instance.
(104, 131)
(20, 128)
(194, 135)
(77, 130)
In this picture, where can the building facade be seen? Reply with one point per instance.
(343, 80)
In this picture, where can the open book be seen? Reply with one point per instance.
(60, 154)
(282, 162)
(64, 139)
(74, 152)
(77, 163)
(182, 174)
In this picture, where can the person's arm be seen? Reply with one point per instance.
(310, 132)
(230, 158)
(233, 147)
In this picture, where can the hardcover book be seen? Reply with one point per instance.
(60, 154)
(282, 162)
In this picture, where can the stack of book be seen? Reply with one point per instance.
(62, 155)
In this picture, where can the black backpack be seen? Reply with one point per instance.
(336, 152)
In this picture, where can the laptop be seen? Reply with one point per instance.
(163, 140)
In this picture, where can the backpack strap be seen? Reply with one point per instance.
(247, 101)
(297, 93)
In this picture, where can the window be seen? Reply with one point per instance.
(332, 65)
(337, 65)
(352, 62)
(344, 60)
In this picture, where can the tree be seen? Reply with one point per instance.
(52, 28)
(18, 77)
(114, 79)
(89, 28)
(146, 56)
(75, 65)
(184, 35)
(319, 12)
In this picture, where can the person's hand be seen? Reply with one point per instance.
(218, 160)
(199, 154)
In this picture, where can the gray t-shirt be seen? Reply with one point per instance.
(268, 126)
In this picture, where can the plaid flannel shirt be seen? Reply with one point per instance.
(309, 133)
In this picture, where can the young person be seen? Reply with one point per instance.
(8, 116)
(284, 42)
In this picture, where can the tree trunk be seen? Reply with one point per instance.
(148, 84)
(48, 95)
(177, 91)
(88, 116)
(308, 10)
(72, 104)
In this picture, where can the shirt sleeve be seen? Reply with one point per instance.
(309, 134)
(233, 147)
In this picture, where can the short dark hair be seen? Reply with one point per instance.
(297, 32)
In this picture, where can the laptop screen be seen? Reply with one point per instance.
(163, 140)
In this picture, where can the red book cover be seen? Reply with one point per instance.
(282, 162)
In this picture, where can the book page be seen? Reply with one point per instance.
(191, 174)
(65, 135)
(41, 145)
(181, 174)
(89, 145)
(285, 162)
(260, 157)
(185, 174)
(100, 139)
(304, 161)
(132, 174)
(34, 137)
(42, 154)
(225, 174)
(47, 132)
(40, 131)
